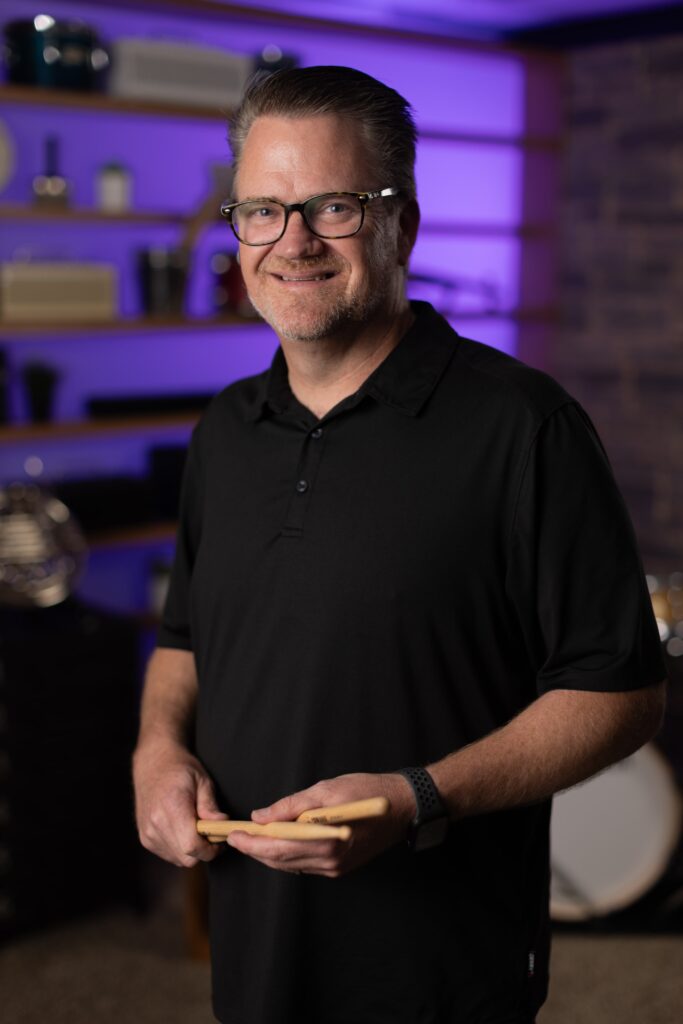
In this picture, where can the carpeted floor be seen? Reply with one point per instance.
(124, 969)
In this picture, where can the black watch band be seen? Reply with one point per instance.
(430, 824)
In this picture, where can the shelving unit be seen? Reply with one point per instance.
(119, 567)
(532, 136)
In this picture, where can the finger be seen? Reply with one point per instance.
(282, 850)
(288, 808)
(210, 851)
(173, 832)
(207, 806)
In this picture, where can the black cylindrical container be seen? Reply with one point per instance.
(163, 277)
(54, 54)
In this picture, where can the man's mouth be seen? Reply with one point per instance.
(298, 278)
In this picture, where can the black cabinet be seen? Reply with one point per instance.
(68, 708)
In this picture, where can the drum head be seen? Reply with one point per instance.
(613, 836)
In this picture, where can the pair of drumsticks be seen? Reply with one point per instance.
(316, 823)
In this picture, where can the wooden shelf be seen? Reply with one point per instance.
(23, 212)
(95, 428)
(472, 230)
(129, 325)
(50, 332)
(141, 325)
(26, 212)
(103, 103)
(546, 143)
(134, 536)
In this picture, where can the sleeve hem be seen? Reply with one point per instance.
(604, 681)
(166, 639)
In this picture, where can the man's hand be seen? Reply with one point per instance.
(172, 790)
(332, 858)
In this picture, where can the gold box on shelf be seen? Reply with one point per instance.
(48, 292)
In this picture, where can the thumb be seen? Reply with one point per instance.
(287, 809)
(206, 800)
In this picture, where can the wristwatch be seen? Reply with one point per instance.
(430, 824)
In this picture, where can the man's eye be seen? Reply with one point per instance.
(260, 212)
(334, 209)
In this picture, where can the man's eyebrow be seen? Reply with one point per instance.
(258, 199)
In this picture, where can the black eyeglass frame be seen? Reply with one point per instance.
(363, 197)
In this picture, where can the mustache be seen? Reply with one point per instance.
(320, 264)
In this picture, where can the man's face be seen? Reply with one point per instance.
(308, 288)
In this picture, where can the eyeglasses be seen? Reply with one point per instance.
(330, 215)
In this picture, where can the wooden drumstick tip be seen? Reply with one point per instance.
(357, 810)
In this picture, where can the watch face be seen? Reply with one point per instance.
(430, 833)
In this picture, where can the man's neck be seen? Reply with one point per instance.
(323, 373)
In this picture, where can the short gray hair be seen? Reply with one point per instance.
(383, 117)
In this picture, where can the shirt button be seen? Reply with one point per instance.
(302, 486)
(318, 432)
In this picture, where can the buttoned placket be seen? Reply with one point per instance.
(311, 455)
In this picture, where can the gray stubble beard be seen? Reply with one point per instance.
(342, 318)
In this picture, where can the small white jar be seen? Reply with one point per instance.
(113, 188)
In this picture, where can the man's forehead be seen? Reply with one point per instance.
(327, 147)
(315, 133)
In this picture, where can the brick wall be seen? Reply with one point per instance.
(620, 348)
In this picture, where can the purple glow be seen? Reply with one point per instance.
(499, 333)
(449, 88)
(134, 364)
(479, 18)
(471, 184)
(494, 262)
(119, 578)
(120, 454)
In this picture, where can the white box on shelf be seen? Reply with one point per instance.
(45, 292)
(145, 69)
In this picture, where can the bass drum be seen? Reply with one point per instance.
(613, 837)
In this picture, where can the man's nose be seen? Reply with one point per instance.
(298, 239)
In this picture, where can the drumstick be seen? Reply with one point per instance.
(373, 807)
(320, 818)
(218, 831)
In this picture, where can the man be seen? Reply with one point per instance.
(398, 549)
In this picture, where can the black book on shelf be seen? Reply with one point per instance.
(147, 405)
(108, 502)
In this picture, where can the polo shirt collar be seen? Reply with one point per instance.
(404, 380)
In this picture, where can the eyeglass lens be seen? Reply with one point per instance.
(331, 216)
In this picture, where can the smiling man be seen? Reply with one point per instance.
(403, 570)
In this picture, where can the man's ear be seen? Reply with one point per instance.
(408, 223)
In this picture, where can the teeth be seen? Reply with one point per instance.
(321, 277)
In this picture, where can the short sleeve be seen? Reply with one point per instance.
(175, 629)
(574, 573)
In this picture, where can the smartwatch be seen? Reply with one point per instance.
(430, 824)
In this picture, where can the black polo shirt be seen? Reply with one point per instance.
(373, 590)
